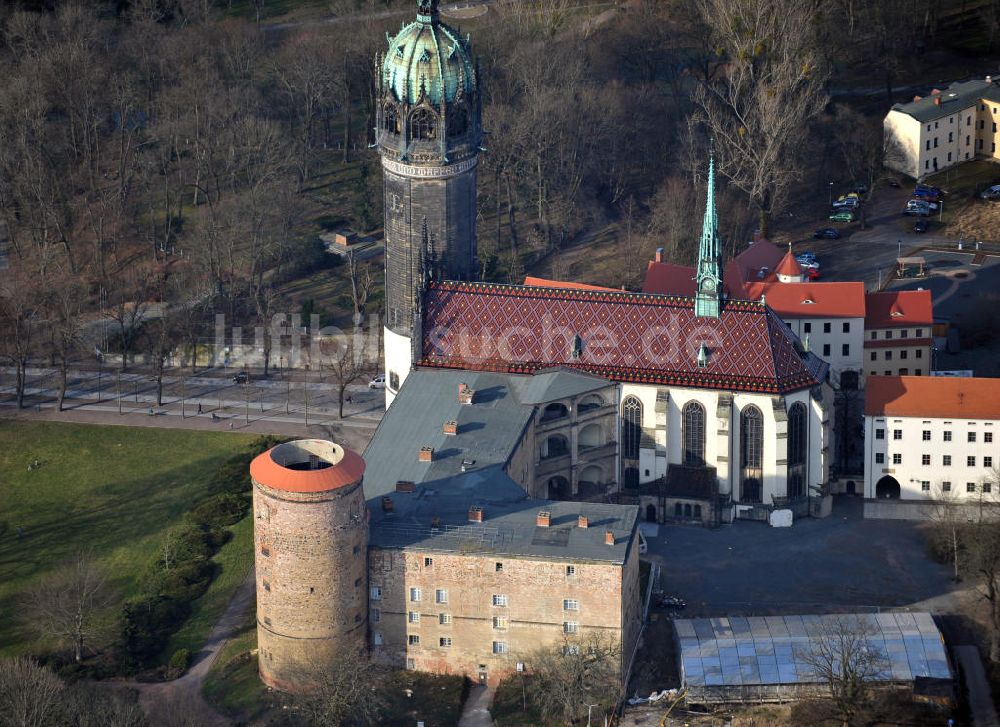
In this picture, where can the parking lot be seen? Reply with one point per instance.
(840, 563)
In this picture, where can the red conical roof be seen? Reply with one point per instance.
(788, 265)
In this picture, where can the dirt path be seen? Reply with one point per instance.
(165, 701)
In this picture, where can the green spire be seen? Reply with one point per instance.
(709, 277)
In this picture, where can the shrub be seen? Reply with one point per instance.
(180, 659)
(226, 508)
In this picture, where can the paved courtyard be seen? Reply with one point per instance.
(840, 563)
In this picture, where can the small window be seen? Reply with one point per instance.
(377, 638)
(888, 335)
(847, 326)
(987, 487)
(897, 434)
(571, 649)
(807, 327)
(873, 355)
(897, 458)
(970, 486)
(972, 436)
(919, 353)
(444, 619)
(888, 355)
(879, 434)
(988, 437)
(570, 570)
(826, 349)
(413, 617)
(987, 462)
(879, 458)
(441, 595)
(874, 335)
(265, 551)
(971, 460)
(411, 664)
(415, 595)
(947, 435)
(428, 562)
(570, 627)
(357, 550)
(376, 593)
(903, 354)
(444, 642)
(946, 487)
(499, 599)
(413, 639)
(499, 647)
(500, 623)
(946, 460)
(267, 586)
(498, 567)
(827, 327)
(845, 349)
(904, 333)
(925, 486)
(571, 604)
(376, 615)
(357, 584)
(926, 435)
(925, 460)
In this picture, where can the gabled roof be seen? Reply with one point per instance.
(932, 396)
(788, 265)
(956, 97)
(811, 300)
(633, 337)
(669, 279)
(897, 308)
(545, 283)
(746, 266)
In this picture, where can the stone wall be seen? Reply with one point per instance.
(312, 581)
(456, 602)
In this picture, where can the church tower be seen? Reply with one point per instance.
(428, 134)
(708, 298)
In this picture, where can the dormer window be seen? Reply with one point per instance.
(702, 356)
(400, 52)
(423, 125)
(425, 56)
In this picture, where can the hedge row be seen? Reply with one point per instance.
(183, 568)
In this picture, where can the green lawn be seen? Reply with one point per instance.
(110, 490)
(233, 562)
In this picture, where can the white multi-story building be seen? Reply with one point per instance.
(930, 437)
(946, 128)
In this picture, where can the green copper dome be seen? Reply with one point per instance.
(428, 60)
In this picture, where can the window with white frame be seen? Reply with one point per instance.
(925, 459)
(570, 570)
(413, 617)
(444, 619)
(945, 486)
(413, 639)
(499, 647)
(570, 627)
(441, 595)
(947, 435)
(444, 642)
(376, 593)
(879, 458)
(571, 604)
(987, 462)
(970, 486)
(500, 623)
(499, 599)
(415, 595)
(376, 615)
(897, 458)
(925, 486)
(571, 649)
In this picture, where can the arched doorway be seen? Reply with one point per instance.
(558, 488)
(887, 488)
(651, 513)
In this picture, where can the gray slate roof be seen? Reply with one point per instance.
(488, 433)
(956, 97)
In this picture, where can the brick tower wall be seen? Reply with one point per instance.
(312, 580)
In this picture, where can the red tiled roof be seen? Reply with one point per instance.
(669, 279)
(746, 266)
(635, 337)
(899, 343)
(346, 471)
(932, 396)
(811, 300)
(788, 265)
(545, 283)
(898, 308)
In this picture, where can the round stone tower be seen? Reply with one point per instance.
(429, 133)
(310, 540)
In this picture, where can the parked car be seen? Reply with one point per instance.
(930, 205)
(378, 382)
(991, 193)
(241, 378)
(928, 188)
(846, 203)
(812, 273)
(843, 216)
(918, 210)
(921, 225)
(926, 196)
(811, 265)
(804, 258)
(894, 183)
(828, 233)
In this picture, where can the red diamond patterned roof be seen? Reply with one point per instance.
(631, 337)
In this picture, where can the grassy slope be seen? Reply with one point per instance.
(111, 490)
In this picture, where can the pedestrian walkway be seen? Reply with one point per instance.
(984, 714)
(476, 712)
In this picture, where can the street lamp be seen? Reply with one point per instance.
(831, 193)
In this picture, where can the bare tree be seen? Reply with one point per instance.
(362, 283)
(19, 308)
(346, 365)
(569, 675)
(351, 692)
(65, 307)
(844, 658)
(68, 604)
(982, 549)
(759, 109)
(30, 694)
(128, 304)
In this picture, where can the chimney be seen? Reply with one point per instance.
(387, 504)
(451, 427)
(582, 521)
(475, 514)
(544, 519)
(426, 454)
(757, 236)
(406, 486)
(937, 100)
(465, 394)
(658, 258)
(609, 537)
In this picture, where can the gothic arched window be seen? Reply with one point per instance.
(797, 450)
(458, 121)
(423, 125)
(631, 427)
(751, 453)
(390, 119)
(693, 433)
